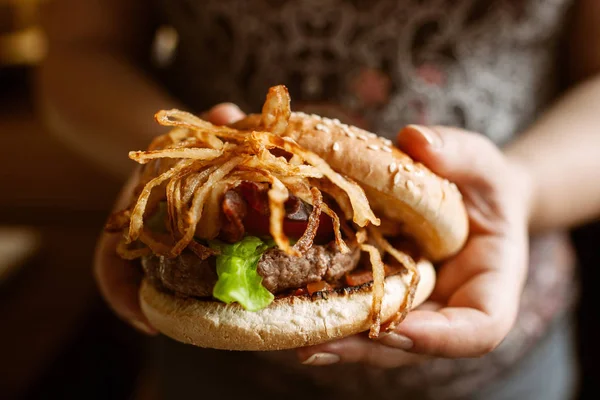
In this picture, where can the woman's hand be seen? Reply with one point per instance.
(118, 279)
(477, 294)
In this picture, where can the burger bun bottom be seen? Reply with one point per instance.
(289, 322)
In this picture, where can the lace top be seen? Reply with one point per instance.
(487, 66)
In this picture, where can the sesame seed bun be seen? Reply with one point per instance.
(428, 208)
(288, 322)
(425, 206)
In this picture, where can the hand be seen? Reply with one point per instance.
(477, 294)
(118, 279)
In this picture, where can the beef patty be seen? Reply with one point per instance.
(188, 275)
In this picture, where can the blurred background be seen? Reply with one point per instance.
(57, 338)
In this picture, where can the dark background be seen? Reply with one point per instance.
(57, 338)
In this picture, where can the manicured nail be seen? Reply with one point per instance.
(143, 327)
(430, 135)
(225, 113)
(320, 359)
(231, 106)
(395, 340)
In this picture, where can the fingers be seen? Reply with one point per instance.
(480, 311)
(475, 321)
(357, 348)
(360, 348)
(452, 332)
(477, 298)
(224, 114)
(119, 282)
(488, 254)
(452, 153)
(476, 165)
(481, 289)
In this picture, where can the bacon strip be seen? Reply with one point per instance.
(234, 210)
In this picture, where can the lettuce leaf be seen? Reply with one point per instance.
(236, 268)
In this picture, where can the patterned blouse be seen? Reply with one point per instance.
(489, 66)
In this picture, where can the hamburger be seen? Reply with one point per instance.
(282, 230)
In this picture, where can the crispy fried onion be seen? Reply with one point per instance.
(192, 166)
(129, 252)
(276, 110)
(280, 166)
(143, 157)
(306, 240)
(363, 214)
(136, 222)
(302, 190)
(200, 129)
(340, 197)
(194, 214)
(118, 221)
(378, 287)
(408, 263)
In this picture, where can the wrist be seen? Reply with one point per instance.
(525, 184)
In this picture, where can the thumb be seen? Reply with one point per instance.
(225, 114)
(462, 157)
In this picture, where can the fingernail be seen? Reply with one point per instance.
(430, 135)
(225, 113)
(143, 327)
(320, 359)
(233, 106)
(398, 341)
